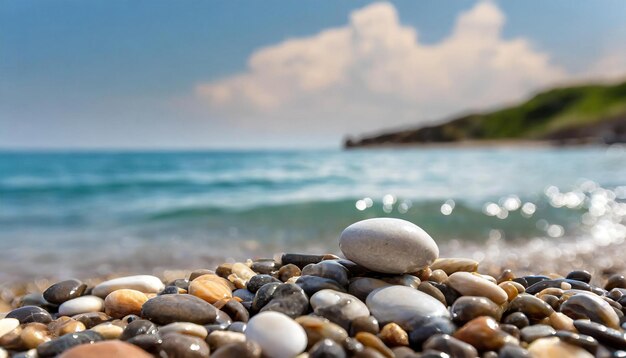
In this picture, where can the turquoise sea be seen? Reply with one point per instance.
(64, 213)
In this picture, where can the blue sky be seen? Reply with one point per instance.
(153, 74)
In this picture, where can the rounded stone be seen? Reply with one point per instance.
(423, 328)
(327, 349)
(388, 245)
(7, 325)
(401, 304)
(364, 324)
(138, 327)
(605, 335)
(84, 304)
(615, 281)
(591, 306)
(28, 314)
(312, 284)
(469, 284)
(534, 332)
(579, 275)
(484, 334)
(219, 339)
(452, 265)
(178, 308)
(554, 347)
(34, 334)
(64, 325)
(278, 335)
(361, 287)
(239, 350)
(288, 298)
(123, 302)
(318, 328)
(61, 344)
(328, 269)
(467, 308)
(107, 349)
(108, 330)
(258, 281)
(352, 307)
(176, 345)
(209, 290)
(393, 335)
(188, 328)
(372, 341)
(63, 291)
(91, 319)
(450, 345)
(517, 319)
(142, 283)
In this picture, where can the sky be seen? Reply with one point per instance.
(151, 74)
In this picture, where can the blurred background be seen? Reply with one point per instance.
(138, 136)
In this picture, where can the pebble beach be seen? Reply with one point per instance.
(389, 294)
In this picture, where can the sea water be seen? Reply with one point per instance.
(72, 212)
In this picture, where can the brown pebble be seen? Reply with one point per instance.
(218, 339)
(439, 276)
(554, 347)
(92, 318)
(452, 265)
(224, 270)
(484, 334)
(432, 291)
(34, 334)
(200, 272)
(210, 289)
(393, 335)
(319, 328)
(288, 271)
(510, 289)
(123, 302)
(364, 324)
(506, 275)
(108, 330)
(370, 340)
(473, 285)
(64, 325)
(239, 350)
(615, 281)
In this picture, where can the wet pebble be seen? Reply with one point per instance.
(467, 308)
(34, 334)
(258, 281)
(319, 328)
(108, 330)
(518, 319)
(327, 349)
(288, 298)
(361, 287)
(615, 281)
(393, 335)
(219, 339)
(170, 290)
(484, 334)
(188, 328)
(239, 350)
(372, 341)
(328, 269)
(452, 265)
(28, 314)
(285, 338)
(210, 288)
(7, 325)
(533, 307)
(588, 305)
(581, 340)
(432, 291)
(312, 284)
(450, 345)
(513, 351)
(61, 344)
(234, 309)
(138, 327)
(263, 296)
(364, 324)
(178, 308)
(64, 325)
(64, 290)
(265, 266)
(351, 307)
(579, 275)
(424, 327)
(288, 271)
(176, 345)
(388, 245)
(605, 335)
(300, 260)
(534, 332)
(150, 343)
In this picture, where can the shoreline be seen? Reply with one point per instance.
(504, 143)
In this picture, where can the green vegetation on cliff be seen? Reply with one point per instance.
(580, 114)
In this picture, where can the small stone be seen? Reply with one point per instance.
(589, 305)
(559, 321)
(207, 288)
(64, 325)
(150, 343)
(263, 296)
(393, 335)
(352, 307)
(319, 328)
(471, 285)
(327, 349)
(450, 345)
(63, 291)
(181, 345)
(452, 265)
(108, 330)
(34, 334)
(511, 329)
(534, 332)
(178, 308)
(517, 319)
(219, 339)
(80, 305)
(402, 304)
(138, 327)
(558, 283)
(235, 310)
(91, 319)
(257, 281)
(484, 334)
(423, 328)
(510, 288)
(467, 308)
(533, 307)
(36, 299)
(439, 276)
(579, 275)
(285, 339)
(244, 295)
(388, 245)
(288, 271)
(11, 340)
(188, 328)
(449, 293)
(28, 314)
(61, 344)
(605, 335)
(170, 290)
(328, 269)
(554, 347)
(108, 349)
(237, 327)
(265, 266)
(243, 272)
(142, 283)
(7, 325)
(288, 298)
(364, 324)
(513, 351)
(123, 302)
(361, 287)
(312, 284)
(506, 275)
(615, 281)
(201, 272)
(370, 340)
(300, 260)
(239, 350)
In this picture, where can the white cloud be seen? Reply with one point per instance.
(375, 73)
